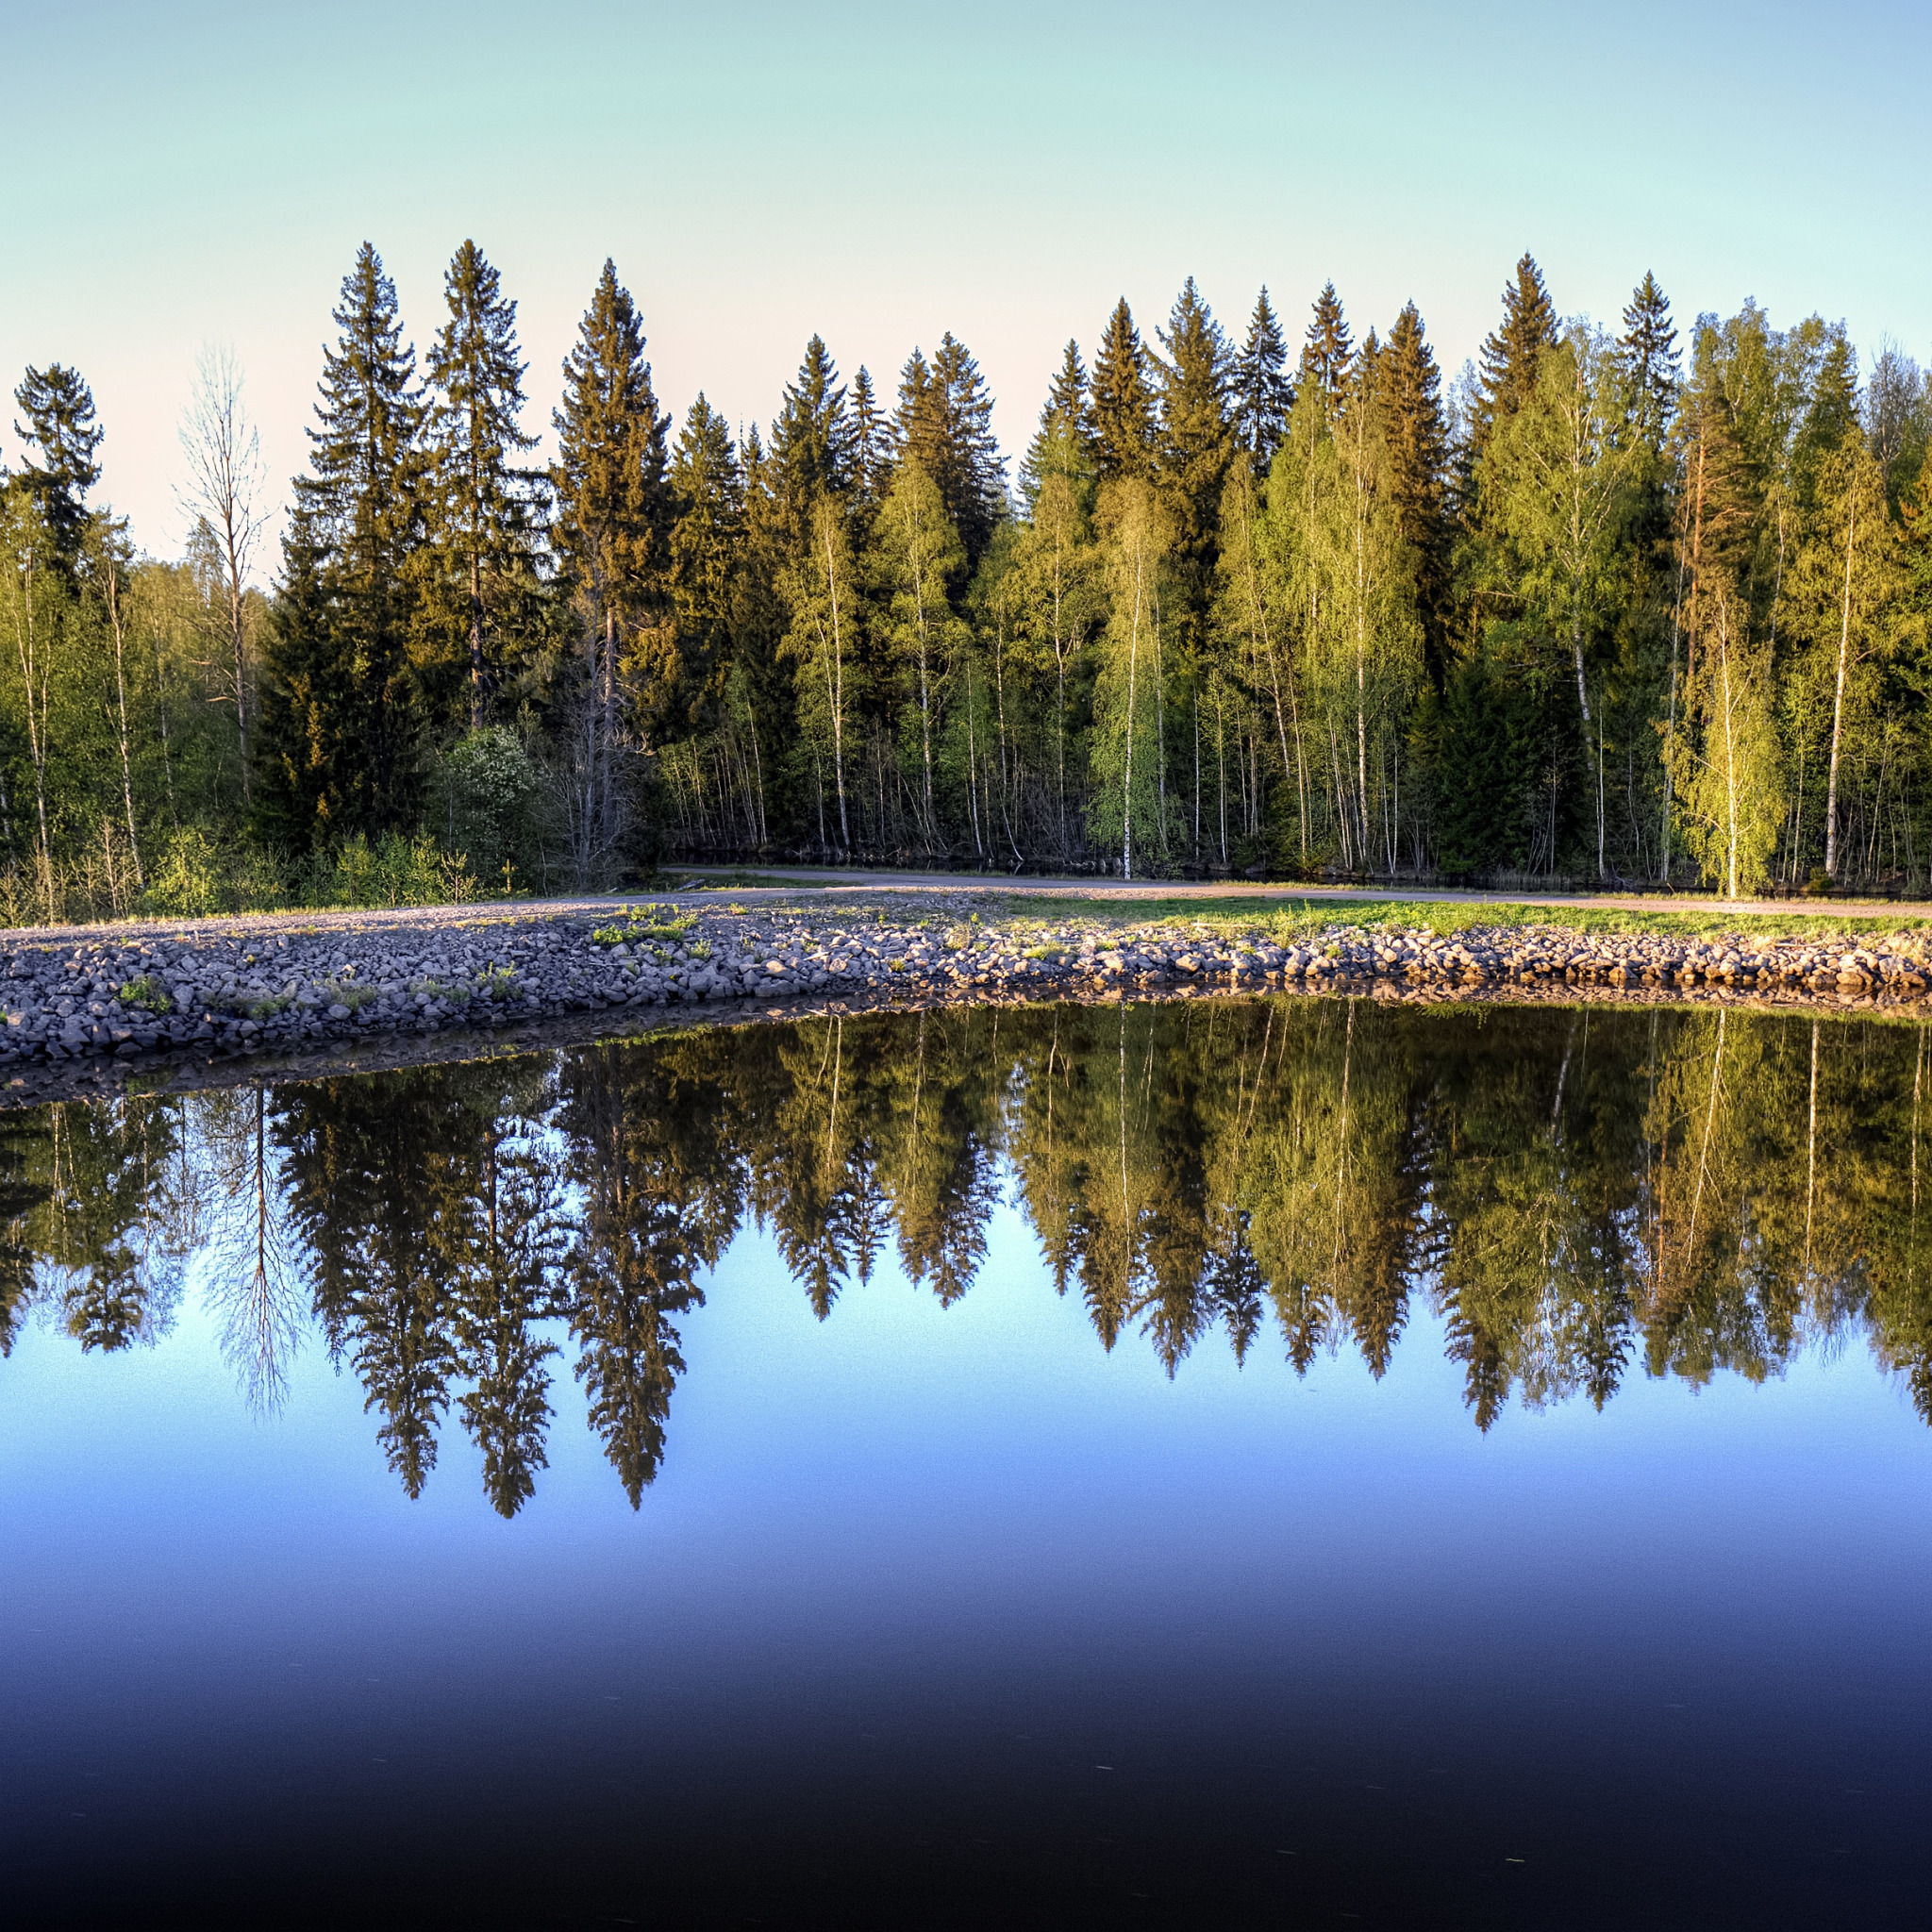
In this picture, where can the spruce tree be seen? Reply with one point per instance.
(973, 478)
(1122, 400)
(1831, 414)
(709, 489)
(1065, 414)
(872, 440)
(357, 523)
(1513, 353)
(811, 441)
(481, 502)
(1196, 443)
(1418, 442)
(1648, 349)
(611, 536)
(1262, 394)
(1325, 351)
(59, 411)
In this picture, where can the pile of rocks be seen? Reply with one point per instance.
(287, 985)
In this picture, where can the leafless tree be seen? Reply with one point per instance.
(223, 489)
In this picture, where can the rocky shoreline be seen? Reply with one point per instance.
(290, 987)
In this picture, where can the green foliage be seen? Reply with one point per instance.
(148, 993)
(1232, 624)
(644, 924)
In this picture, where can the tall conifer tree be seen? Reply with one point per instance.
(1327, 350)
(872, 440)
(342, 750)
(1418, 448)
(1196, 443)
(1263, 392)
(1513, 353)
(811, 441)
(1066, 413)
(612, 531)
(59, 411)
(1122, 400)
(482, 525)
(708, 489)
(1648, 349)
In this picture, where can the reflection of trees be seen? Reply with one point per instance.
(235, 1202)
(107, 1225)
(1696, 1190)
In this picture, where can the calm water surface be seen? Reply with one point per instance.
(1197, 1464)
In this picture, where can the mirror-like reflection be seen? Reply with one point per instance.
(1579, 1195)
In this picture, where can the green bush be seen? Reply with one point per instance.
(187, 882)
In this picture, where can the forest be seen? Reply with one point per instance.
(1574, 1196)
(1617, 604)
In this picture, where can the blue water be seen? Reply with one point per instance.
(947, 1615)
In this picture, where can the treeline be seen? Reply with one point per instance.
(1618, 605)
(1574, 1195)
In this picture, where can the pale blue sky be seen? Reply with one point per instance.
(882, 174)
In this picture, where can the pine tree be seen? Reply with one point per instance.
(481, 521)
(59, 411)
(613, 533)
(1262, 394)
(1325, 351)
(1513, 353)
(1418, 443)
(1122, 400)
(1648, 348)
(358, 521)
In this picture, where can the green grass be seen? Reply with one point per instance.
(149, 992)
(1300, 919)
(652, 922)
(737, 881)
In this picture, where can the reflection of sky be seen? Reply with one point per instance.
(922, 1564)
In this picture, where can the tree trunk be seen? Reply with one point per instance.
(1838, 702)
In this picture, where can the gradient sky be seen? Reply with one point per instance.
(880, 173)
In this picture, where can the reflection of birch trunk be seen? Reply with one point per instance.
(255, 1285)
(1811, 1150)
(1717, 1067)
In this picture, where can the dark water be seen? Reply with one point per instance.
(1207, 1464)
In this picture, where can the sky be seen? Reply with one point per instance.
(189, 175)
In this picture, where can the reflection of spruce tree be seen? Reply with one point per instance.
(940, 1156)
(507, 1271)
(1534, 1182)
(1233, 1280)
(817, 1177)
(1044, 1146)
(1170, 1108)
(1726, 1283)
(643, 1143)
(1335, 1179)
(375, 1168)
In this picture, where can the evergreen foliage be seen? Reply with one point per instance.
(1120, 398)
(1261, 395)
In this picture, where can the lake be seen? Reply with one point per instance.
(1210, 1462)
